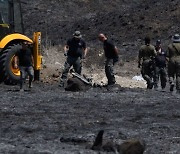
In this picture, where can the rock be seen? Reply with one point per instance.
(55, 75)
(128, 147)
(131, 147)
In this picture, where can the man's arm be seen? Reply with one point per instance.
(66, 48)
(16, 62)
(167, 54)
(32, 58)
(154, 52)
(139, 59)
(85, 52)
(116, 51)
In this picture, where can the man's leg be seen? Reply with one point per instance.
(156, 77)
(22, 77)
(30, 72)
(163, 77)
(178, 76)
(77, 65)
(109, 71)
(146, 74)
(67, 66)
(171, 74)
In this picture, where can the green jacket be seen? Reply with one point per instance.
(173, 50)
(146, 52)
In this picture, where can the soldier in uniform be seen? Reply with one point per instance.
(147, 52)
(160, 66)
(173, 55)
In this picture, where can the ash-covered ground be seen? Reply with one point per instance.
(49, 120)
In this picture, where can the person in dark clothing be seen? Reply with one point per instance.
(24, 59)
(111, 54)
(160, 66)
(75, 50)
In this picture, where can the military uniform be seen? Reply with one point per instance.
(146, 53)
(174, 63)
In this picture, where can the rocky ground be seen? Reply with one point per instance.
(50, 120)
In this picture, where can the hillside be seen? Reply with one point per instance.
(124, 21)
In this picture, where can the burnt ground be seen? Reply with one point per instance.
(126, 22)
(33, 122)
(48, 119)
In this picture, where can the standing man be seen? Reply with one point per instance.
(75, 50)
(24, 58)
(111, 54)
(174, 63)
(146, 54)
(160, 66)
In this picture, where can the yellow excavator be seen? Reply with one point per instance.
(11, 38)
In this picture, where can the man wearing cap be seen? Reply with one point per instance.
(173, 55)
(111, 54)
(24, 59)
(75, 49)
(147, 52)
(160, 66)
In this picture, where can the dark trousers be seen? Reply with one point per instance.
(24, 72)
(71, 61)
(147, 73)
(160, 73)
(174, 71)
(109, 70)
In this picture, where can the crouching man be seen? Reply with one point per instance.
(24, 59)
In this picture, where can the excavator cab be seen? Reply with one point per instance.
(11, 38)
(10, 17)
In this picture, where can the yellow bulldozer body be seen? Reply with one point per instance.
(11, 37)
(17, 37)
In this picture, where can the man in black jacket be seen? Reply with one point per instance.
(75, 49)
(24, 58)
(111, 54)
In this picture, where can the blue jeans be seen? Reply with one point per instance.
(24, 72)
